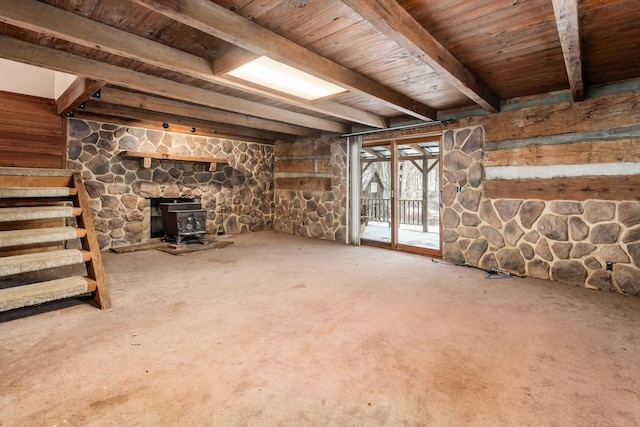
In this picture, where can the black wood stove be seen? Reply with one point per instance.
(184, 221)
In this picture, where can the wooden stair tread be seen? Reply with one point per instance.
(34, 171)
(16, 264)
(31, 192)
(39, 235)
(37, 212)
(38, 293)
(33, 222)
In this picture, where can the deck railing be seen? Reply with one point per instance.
(379, 210)
(410, 212)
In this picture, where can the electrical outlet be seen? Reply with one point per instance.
(609, 266)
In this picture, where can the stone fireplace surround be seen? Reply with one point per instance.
(238, 196)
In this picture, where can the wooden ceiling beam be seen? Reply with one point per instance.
(154, 124)
(372, 152)
(201, 127)
(419, 149)
(40, 17)
(41, 56)
(400, 158)
(233, 59)
(79, 91)
(162, 105)
(224, 24)
(395, 22)
(567, 21)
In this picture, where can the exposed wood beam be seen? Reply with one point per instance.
(567, 21)
(370, 151)
(203, 127)
(147, 102)
(174, 127)
(417, 166)
(393, 20)
(233, 59)
(418, 149)
(216, 20)
(402, 158)
(40, 17)
(433, 165)
(33, 54)
(79, 91)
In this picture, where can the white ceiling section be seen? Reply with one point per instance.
(29, 80)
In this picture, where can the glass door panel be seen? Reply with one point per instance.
(376, 197)
(418, 209)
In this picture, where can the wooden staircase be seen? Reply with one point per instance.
(43, 214)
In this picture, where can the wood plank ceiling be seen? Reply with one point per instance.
(166, 60)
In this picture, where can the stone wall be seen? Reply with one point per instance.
(567, 241)
(238, 196)
(317, 213)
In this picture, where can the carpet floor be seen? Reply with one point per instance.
(279, 330)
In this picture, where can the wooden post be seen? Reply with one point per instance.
(425, 194)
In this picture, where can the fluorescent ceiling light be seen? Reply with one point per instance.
(283, 78)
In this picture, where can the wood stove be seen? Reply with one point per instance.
(184, 221)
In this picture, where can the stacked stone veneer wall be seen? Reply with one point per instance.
(317, 213)
(237, 196)
(567, 241)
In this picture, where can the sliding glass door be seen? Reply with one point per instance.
(400, 196)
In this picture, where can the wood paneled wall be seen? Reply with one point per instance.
(303, 165)
(31, 134)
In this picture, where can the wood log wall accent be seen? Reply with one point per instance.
(579, 188)
(303, 165)
(31, 134)
(600, 132)
(605, 112)
(611, 151)
(311, 188)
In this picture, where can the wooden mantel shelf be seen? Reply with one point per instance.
(147, 156)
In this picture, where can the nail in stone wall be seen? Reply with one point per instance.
(566, 241)
(320, 214)
(237, 196)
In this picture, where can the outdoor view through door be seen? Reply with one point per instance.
(400, 200)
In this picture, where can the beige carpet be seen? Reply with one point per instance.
(38, 293)
(279, 330)
(39, 261)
